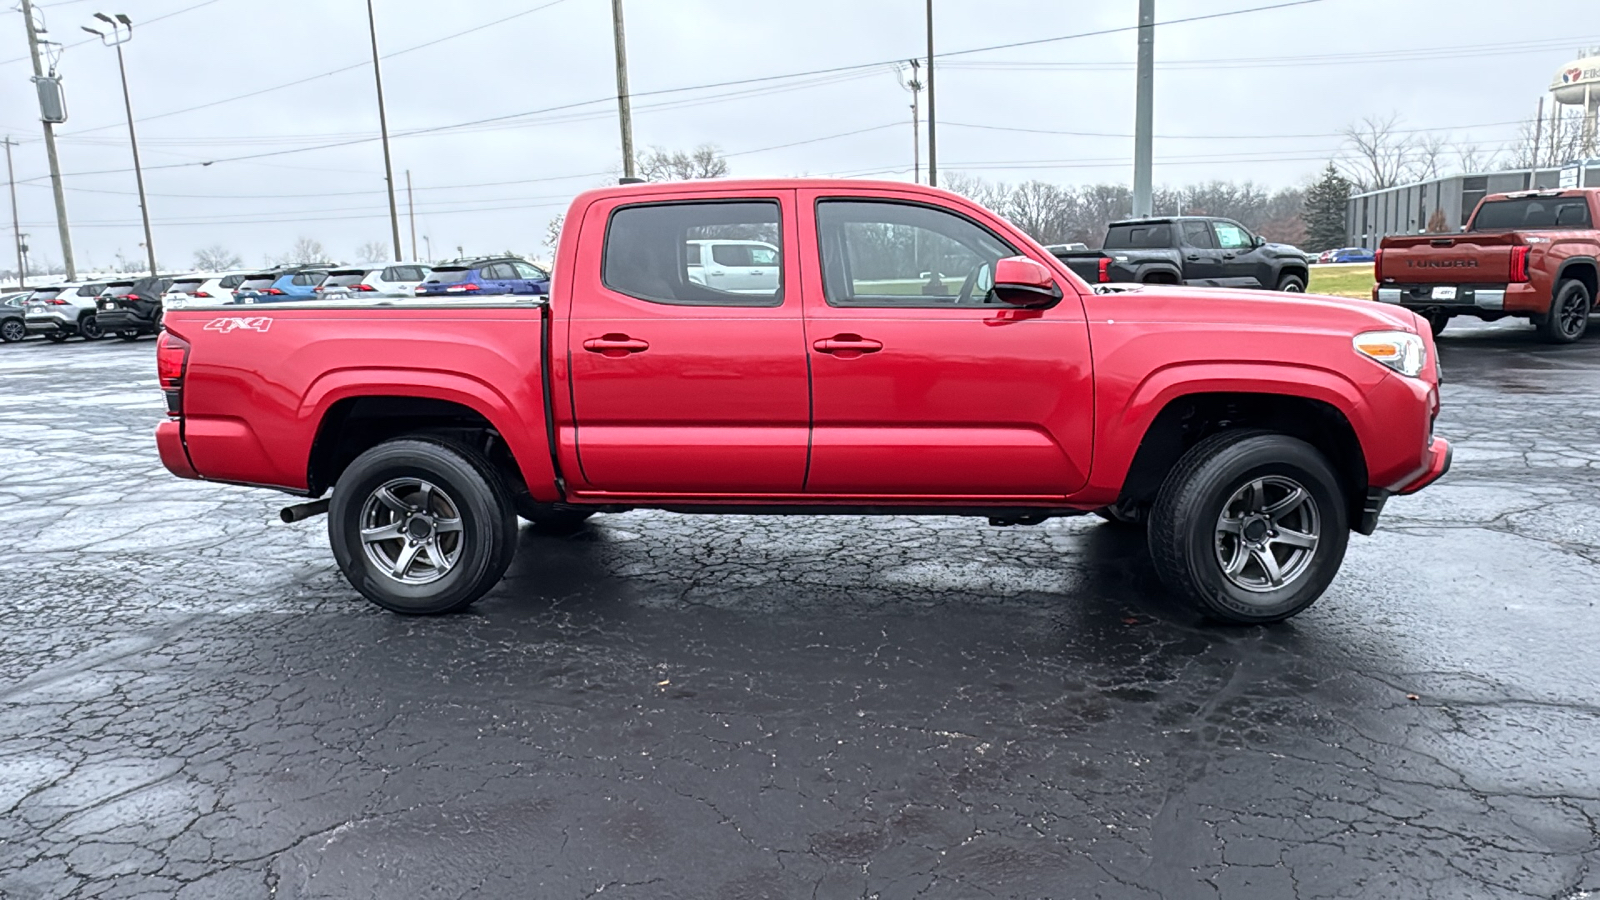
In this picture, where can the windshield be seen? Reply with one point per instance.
(449, 276)
(1532, 212)
(1139, 237)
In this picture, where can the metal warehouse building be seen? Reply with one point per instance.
(1372, 216)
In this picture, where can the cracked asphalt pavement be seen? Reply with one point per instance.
(194, 704)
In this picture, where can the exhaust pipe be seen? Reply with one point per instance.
(303, 511)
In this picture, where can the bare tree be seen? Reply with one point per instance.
(552, 231)
(705, 161)
(304, 252)
(1558, 139)
(1430, 153)
(216, 258)
(987, 194)
(1041, 209)
(373, 251)
(1385, 155)
(1472, 157)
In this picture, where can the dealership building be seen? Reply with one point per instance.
(1407, 209)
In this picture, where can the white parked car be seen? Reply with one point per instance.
(206, 289)
(734, 266)
(61, 311)
(373, 281)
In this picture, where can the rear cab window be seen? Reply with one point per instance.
(647, 252)
(1523, 213)
(1155, 236)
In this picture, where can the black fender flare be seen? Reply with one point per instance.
(1143, 271)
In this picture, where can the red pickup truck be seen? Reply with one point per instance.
(860, 348)
(1530, 254)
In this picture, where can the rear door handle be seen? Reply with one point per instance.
(615, 345)
(849, 344)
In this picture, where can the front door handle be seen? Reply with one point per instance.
(615, 346)
(847, 345)
(1193, 257)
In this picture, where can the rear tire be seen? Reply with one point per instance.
(438, 523)
(13, 330)
(57, 337)
(1568, 318)
(129, 335)
(1438, 321)
(1292, 284)
(89, 329)
(1229, 506)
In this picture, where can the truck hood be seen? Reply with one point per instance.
(1155, 304)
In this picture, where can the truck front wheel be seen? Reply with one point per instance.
(1250, 526)
(421, 526)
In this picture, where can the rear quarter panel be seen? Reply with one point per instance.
(258, 385)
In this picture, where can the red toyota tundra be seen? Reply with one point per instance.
(810, 346)
(1531, 254)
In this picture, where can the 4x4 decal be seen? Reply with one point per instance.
(231, 324)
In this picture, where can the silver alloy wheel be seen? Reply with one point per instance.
(411, 531)
(1267, 534)
(12, 330)
(1293, 288)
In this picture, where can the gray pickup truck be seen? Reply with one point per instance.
(1202, 251)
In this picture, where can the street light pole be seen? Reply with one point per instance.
(624, 105)
(1144, 112)
(122, 32)
(933, 142)
(914, 85)
(411, 210)
(383, 126)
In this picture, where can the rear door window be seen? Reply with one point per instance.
(1198, 235)
(1139, 237)
(647, 253)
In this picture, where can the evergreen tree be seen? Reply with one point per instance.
(1325, 211)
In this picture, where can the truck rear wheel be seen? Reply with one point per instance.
(1250, 526)
(421, 526)
(1292, 284)
(1568, 318)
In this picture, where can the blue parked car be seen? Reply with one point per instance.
(485, 276)
(1353, 255)
(281, 285)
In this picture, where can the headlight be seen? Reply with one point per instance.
(1399, 350)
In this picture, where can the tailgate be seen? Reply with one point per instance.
(1447, 259)
(1084, 263)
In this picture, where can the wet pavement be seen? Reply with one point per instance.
(193, 704)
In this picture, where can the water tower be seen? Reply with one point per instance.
(1578, 84)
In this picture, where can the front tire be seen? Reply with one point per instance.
(1292, 284)
(422, 526)
(1250, 526)
(1569, 312)
(12, 331)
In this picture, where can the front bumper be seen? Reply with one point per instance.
(1440, 454)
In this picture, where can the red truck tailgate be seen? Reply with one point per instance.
(1447, 259)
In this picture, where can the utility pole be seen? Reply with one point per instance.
(383, 126)
(914, 85)
(933, 142)
(50, 147)
(411, 212)
(121, 33)
(1144, 114)
(624, 106)
(16, 226)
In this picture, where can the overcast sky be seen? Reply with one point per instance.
(1260, 96)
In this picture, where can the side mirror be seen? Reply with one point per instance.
(1258, 241)
(1022, 282)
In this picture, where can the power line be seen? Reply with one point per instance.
(145, 24)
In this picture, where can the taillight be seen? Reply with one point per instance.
(172, 358)
(1519, 264)
(274, 291)
(56, 301)
(317, 289)
(1105, 270)
(362, 287)
(202, 294)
